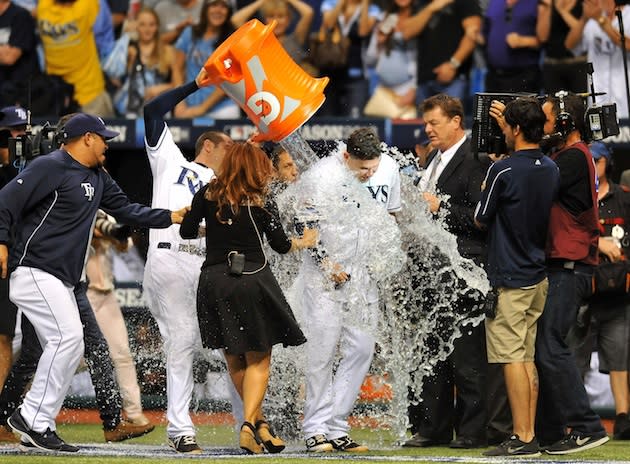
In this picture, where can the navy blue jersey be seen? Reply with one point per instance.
(53, 203)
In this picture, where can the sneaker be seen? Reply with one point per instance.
(318, 444)
(621, 430)
(576, 442)
(346, 443)
(186, 444)
(126, 430)
(513, 446)
(7, 436)
(48, 440)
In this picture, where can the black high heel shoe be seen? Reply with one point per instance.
(248, 439)
(272, 443)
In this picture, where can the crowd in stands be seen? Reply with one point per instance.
(119, 54)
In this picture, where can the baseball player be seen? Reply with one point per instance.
(173, 264)
(330, 398)
(56, 198)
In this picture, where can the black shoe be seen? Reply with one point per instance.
(418, 441)
(346, 443)
(48, 440)
(513, 446)
(466, 443)
(576, 442)
(621, 431)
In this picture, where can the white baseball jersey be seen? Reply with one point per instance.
(175, 182)
(384, 185)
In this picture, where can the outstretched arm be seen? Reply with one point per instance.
(155, 110)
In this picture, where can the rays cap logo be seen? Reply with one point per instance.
(13, 116)
(83, 123)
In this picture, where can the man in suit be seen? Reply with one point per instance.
(453, 170)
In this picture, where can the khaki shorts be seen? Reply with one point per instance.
(511, 335)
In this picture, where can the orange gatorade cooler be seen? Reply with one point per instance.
(253, 69)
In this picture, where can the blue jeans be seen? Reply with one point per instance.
(562, 400)
(456, 88)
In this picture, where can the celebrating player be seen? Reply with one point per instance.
(56, 198)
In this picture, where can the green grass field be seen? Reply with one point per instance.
(223, 437)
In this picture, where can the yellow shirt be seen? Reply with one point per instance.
(69, 46)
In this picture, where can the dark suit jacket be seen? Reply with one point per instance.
(461, 179)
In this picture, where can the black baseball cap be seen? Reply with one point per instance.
(83, 123)
(13, 116)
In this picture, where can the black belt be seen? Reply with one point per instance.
(182, 247)
(567, 265)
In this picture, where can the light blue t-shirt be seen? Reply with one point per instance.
(197, 53)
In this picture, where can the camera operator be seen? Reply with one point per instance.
(12, 124)
(572, 253)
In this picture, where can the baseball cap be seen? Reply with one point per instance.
(599, 149)
(83, 123)
(13, 116)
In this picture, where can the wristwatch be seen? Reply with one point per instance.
(455, 62)
(602, 20)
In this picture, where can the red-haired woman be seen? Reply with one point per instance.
(243, 311)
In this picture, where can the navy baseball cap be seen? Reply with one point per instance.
(599, 149)
(83, 123)
(13, 116)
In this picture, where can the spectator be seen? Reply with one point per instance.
(149, 65)
(396, 66)
(67, 35)
(610, 322)
(453, 171)
(282, 12)
(561, 70)
(18, 57)
(454, 24)
(175, 16)
(597, 33)
(571, 254)
(513, 35)
(348, 90)
(517, 217)
(194, 46)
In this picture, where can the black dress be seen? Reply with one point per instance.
(246, 312)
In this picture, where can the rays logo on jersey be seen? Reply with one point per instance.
(262, 103)
(89, 190)
(189, 178)
(379, 192)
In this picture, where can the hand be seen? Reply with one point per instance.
(178, 216)
(432, 201)
(513, 39)
(496, 111)
(335, 271)
(202, 78)
(4, 260)
(201, 232)
(494, 157)
(309, 238)
(445, 73)
(592, 9)
(610, 249)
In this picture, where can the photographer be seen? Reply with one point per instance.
(610, 305)
(12, 124)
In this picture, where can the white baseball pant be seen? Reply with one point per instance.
(170, 284)
(330, 399)
(52, 309)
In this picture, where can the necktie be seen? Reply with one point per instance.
(433, 176)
